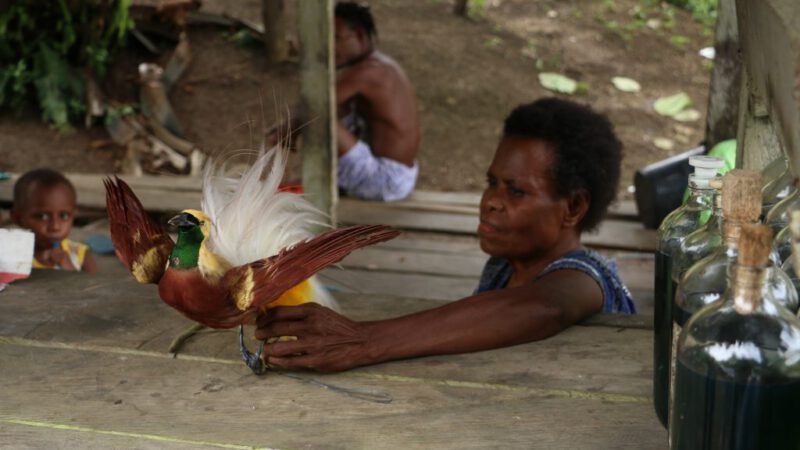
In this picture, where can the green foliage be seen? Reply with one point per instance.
(476, 8)
(703, 10)
(492, 42)
(679, 41)
(45, 46)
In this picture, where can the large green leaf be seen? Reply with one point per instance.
(687, 115)
(558, 83)
(672, 105)
(626, 84)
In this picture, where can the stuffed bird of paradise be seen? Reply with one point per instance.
(249, 249)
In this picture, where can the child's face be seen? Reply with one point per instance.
(48, 211)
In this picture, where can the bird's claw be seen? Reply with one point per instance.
(253, 360)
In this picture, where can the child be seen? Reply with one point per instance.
(44, 202)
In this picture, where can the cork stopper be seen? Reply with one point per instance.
(755, 245)
(741, 195)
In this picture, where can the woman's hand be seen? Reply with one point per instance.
(326, 341)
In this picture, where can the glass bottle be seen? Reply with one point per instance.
(738, 202)
(706, 281)
(782, 246)
(737, 383)
(674, 228)
(788, 268)
(792, 235)
(778, 180)
(701, 242)
(778, 216)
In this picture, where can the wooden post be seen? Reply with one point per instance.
(315, 34)
(757, 140)
(769, 109)
(272, 14)
(726, 79)
(460, 7)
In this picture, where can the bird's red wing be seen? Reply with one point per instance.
(141, 243)
(261, 282)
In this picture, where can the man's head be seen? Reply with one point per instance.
(354, 33)
(554, 174)
(44, 202)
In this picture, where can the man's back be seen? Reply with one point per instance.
(379, 91)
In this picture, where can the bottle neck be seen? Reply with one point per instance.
(748, 284)
(731, 231)
(700, 196)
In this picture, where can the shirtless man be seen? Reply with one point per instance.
(378, 131)
(377, 162)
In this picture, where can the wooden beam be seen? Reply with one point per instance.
(723, 99)
(460, 7)
(315, 34)
(272, 13)
(770, 41)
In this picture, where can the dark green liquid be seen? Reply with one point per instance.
(680, 316)
(711, 412)
(662, 341)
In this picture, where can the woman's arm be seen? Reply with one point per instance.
(327, 341)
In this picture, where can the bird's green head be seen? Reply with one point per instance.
(193, 227)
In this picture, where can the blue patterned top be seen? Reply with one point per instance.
(616, 297)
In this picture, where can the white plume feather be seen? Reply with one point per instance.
(250, 218)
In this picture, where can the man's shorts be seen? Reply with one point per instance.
(363, 175)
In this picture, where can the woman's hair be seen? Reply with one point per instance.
(357, 15)
(587, 153)
(42, 177)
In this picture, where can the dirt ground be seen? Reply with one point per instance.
(468, 74)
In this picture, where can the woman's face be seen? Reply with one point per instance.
(521, 217)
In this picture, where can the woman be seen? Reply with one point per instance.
(554, 173)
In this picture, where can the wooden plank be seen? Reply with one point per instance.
(213, 404)
(435, 243)
(621, 209)
(624, 209)
(112, 310)
(612, 234)
(444, 198)
(384, 259)
(374, 213)
(15, 433)
(428, 287)
(103, 345)
(621, 235)
(158, 194)
(317, 77)
(644, 322)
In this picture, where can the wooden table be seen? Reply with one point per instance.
(83, 364)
